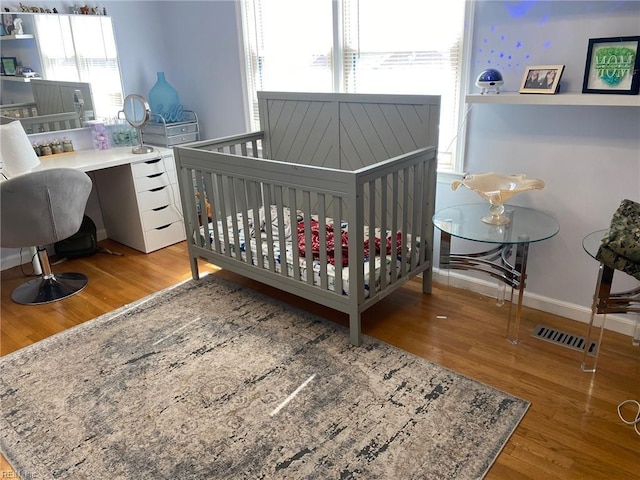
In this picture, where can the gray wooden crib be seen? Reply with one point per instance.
(331, 201)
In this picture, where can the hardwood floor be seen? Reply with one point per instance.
(572, 430)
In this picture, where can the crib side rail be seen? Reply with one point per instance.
(244, 193)
(396, 202)
(246, 144)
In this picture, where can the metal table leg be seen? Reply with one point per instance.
(494, 262)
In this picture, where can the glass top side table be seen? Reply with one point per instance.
(525, 226)
(605, 301)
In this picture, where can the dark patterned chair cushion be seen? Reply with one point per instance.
(620, 249)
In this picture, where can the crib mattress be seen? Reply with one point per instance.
(291, 243)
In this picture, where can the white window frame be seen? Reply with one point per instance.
(456, 168)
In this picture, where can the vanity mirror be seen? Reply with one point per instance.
(69, 49)
(138, 113)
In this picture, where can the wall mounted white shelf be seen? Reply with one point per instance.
(593, 99)
(22, 36)
(11, 78)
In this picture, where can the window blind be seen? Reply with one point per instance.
(358, 46)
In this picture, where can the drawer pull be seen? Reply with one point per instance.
(159, 208)
(164, 226)
(151, 162)
(155, 175)
(158, 189)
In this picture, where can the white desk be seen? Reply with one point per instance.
(92, 160)
(138, 193)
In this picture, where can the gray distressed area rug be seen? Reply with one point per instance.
(210, 380)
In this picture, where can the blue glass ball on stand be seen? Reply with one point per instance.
(489, 80)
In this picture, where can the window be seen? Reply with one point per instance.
(81, 48)
(359, 46)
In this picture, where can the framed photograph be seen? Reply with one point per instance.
(9, 65)
(612, 66)
(541, 79)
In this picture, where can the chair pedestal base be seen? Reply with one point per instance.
(49, 289)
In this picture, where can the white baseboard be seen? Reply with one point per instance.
(616, 323)
(13, 259)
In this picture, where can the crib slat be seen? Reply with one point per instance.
(337, 231)
(416, 201)
(371, 237)
(268, 225)
(254, 212)
(204, 216)
(405, 220)
(394, 227)
(284, 270)
(197, 177)
(224, 212)
(294, 228)
(322, 238)
(383, 230)
(308, 252)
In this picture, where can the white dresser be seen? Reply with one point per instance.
(140, 202)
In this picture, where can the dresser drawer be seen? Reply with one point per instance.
(160, 217)
(169, 129)
(164, 236)
(150, 167)
(154, 182)
(169, 141)
(160, 197)
(182, 129)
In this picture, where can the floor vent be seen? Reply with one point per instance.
(570, 340)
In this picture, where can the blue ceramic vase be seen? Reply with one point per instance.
(163, 98)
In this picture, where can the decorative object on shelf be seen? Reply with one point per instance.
(17, 27)
(138, 113)
(56, 147)
(67, 145)
(16, 152)
(164, 100)
(45, 150)
(497, 189)
(26, 72)
(490, 80)
(9, 65)
(100, 135)
(164, 133)
(53, 147)
(542, 79)
(613, 66)
(7, 24)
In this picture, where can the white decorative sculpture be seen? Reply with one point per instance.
(17, 27)
(497, 189)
